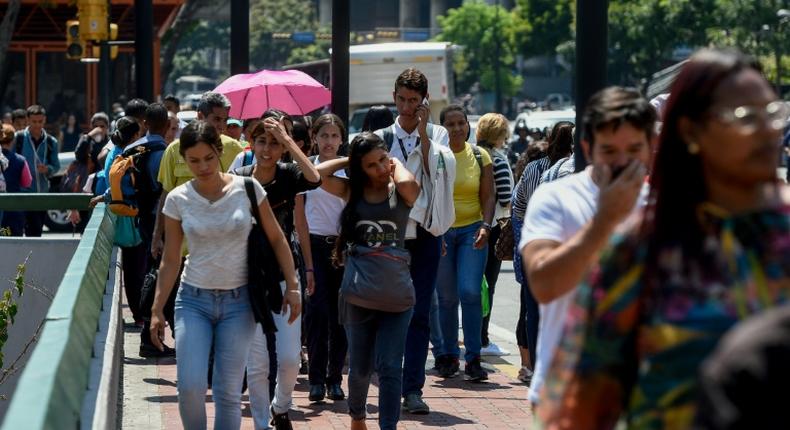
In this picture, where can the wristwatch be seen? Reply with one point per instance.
(486, 226)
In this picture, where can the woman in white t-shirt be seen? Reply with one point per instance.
(213, 213)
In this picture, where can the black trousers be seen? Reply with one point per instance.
(326, 339)
(493, 266)
(34, 223)
(147, 223)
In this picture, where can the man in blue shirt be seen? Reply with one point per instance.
(40, 149)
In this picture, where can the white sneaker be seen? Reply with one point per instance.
(525, 375)
(493, 350)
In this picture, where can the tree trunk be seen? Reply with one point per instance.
(179, 29)
(7, 27)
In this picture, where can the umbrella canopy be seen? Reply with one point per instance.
(292, 91)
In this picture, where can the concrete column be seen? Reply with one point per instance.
(409, 13)
(438, 7)
(325, 13)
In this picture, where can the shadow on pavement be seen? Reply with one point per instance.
(435, 419)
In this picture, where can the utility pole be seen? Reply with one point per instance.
(239, 36)
(497, 62)
(591, 54)
(341, 30)
(144, 49)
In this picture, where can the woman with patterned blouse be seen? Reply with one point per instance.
(712, 248)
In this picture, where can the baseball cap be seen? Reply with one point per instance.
(233, 121)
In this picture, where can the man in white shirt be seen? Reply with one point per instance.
(570, 220)
(412, 128)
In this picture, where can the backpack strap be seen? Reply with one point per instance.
(248, 158)
(249, 187)
(388, 137)
(478, 157)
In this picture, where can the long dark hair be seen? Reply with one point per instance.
(677, 183)
(362, 144)
(125, 129)
(560, 141)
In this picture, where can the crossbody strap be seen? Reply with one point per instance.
(250, 188)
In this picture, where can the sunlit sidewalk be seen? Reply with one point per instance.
(150, 399)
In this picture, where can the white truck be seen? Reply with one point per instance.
(374, 68)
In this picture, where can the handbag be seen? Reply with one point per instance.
(126, 232)
(503, 248)
(263, 271)
(148, 291)
(378, 279)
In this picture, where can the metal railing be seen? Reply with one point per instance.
(44, 201)
(52, 387)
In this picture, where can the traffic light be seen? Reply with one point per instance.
(75, 46)
(93, 19)
(96, 50)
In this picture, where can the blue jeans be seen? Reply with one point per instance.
(203, 317)
(460, 280)
(377, 344)
(425, 252)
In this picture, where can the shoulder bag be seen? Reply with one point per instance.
(263, 274)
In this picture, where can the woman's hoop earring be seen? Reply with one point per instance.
(693, 148)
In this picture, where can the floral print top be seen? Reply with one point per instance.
(632, 353)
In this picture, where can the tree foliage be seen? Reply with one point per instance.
(478, 28)
(551, 23)
(274, 16)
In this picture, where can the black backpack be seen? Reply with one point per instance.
(389, 139)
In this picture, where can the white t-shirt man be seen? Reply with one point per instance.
(556, 212)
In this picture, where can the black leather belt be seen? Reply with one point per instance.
(327, 239)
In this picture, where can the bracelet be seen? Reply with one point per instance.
(486, 226)
(308, 270)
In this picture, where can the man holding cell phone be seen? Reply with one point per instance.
(434, 167)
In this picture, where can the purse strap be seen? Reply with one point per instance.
(250, 188)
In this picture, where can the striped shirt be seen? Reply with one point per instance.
(503, 183)
(527, 185)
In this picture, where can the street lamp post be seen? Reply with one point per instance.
(497, 61)
(591, 55)
(784, 16)
(339, 63)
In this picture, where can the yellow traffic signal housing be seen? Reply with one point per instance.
(93, 19)
(96, 50)
(75, 47)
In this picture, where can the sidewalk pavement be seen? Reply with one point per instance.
(150, 399)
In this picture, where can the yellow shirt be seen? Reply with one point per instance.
(466, 189)
(173, 170)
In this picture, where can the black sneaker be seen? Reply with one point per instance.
(474, 371)
(439, 362)
(415, 405)
(150, 351)
(450, 367)
(317, 392)
(280, 421)
(335, 392)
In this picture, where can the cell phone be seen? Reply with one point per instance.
(425, 102)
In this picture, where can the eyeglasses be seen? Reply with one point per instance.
(748, 119)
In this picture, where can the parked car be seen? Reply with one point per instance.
(544, 119)
(56, 219)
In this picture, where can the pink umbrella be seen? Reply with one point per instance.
(292, 91)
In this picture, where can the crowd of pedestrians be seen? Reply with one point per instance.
(630, 270)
